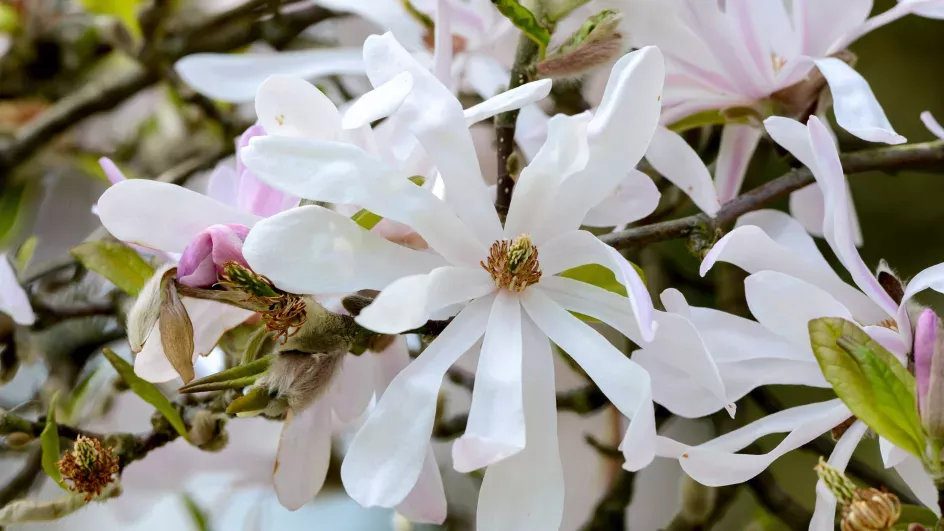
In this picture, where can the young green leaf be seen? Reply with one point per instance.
(600, 277)
(870, 381)
(49, 440)
(366, 219)
(231, 378)
(147, 391)
(117, 262)
(198, 516)
(524, 20)
(24, 253)
(124, 10)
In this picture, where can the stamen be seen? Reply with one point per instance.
(513, 264)
(889, 323)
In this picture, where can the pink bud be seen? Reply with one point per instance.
(205, 256)
(929, 372)
(111, 170)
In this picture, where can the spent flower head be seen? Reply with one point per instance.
(89, 466)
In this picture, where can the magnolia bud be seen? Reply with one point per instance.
(205, 256)
(594, 44)
(17, 439)
(929, 372)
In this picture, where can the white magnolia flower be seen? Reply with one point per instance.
(790, 284)
(516, 301)
(13, 298)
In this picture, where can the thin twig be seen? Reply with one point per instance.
(24, 479)
(771, 496)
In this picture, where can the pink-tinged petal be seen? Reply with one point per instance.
(223, 184)
(838, 227)
(251, 132)
(435, 117)
(378, 103)
(114, 174)
(892, 456)
(496, 427)
(856, 108)
(209, 252)
(928, 120)
(716, 464)
(442, 40)
(161, 215)
(622, 380)
(261, 199)
(793, 136)
(889, 339)
(925, 341)
(912, 472)
(808, 206)
(301, 464)
(291, 106)
(237, 77)
(353, 388)
(675, 160)
(385, 459)
(426, 503)
(564, 153)
(345, 174)
(409, 302)
(315, 250)
(738, 143)
(888, 16)
(526, 491)
(824, 514)
(635, 197)
(578, 248)
(508, 100)
(823, 25)
(932, 277)
(632, 96)
(13, 298)
(390, 362)
(785, 305)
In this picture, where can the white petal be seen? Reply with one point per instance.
(824, 515)
(808, 206)
(713, 463)
(315, 250)
(378, 103)
(564, 153)
(622, 380)
(442, 53)
(822, 24)
(889, 339)
(237, 77)
(13, 299)
(291, 106)
(162, 216)
(635, 197)
(509, 100)
(345, 174)
(387, 454)
(856, 108)
(426, 503)
(390, 362)
(408, 302)
(387, 16)
(919, 481)
(353, 388)
(892, 455)
(304, 453)
(496, 427)
(592, 301)
(793, 136)
(675, 160)
(151, 363)
(578, 248)
(932, 277)
(928, 120)
(436, 119)
(778, 243)
(785, 305)
(738, 143)
(526, 491)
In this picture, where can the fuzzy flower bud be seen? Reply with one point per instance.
(90, 467)
(929, 372)
(205, 256)
(595, 43)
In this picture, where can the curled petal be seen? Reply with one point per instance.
(291, 106)
(378, 103)
(672, 157)
(824, 514)
(856, 108)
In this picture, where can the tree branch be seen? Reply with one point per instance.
(923, 155)
(772, 497)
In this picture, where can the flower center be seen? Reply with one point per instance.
(889, 323)
(513, 264)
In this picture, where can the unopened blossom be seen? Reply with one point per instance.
(13, 298)
(500, 284)
(928, 356)
(790, 283)
(203, 259)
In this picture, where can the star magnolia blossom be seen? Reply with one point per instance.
(790, 284)
(13, 298)
(502, 283)
(761, 54)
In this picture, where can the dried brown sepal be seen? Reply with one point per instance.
(89, 467)
(513, 264)
(176, 331)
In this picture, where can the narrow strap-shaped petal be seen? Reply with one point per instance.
(578, 248)
(892, 455)
(622, 380)
(163, 216)
(856, 108)
(715, 464)
(378, 103)
(634, 198)
(932, 277)
(13, 299)
(824, 514)
(442, 54)
(426, 503)
(508, 100)
(315, 250)
(385, 459)
(933, 126)
(738, 143)
(675, 160)
(496, 427)
(408, 302)
(593, 301)
(301, 465)
(525, 492)
(914, 475)
(237, 77)
(353, 387)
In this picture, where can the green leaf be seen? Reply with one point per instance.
(77, 400)
(9, 18)
(600, 277)
(117, 262)
(701, 119)
(366, 218)
(24, 253)
(233, 378)
(197, 514)
(524, 20)
(49, 440)
(14, 201)
(147, 391)
(124, 10)
(914, 514)
(872, 383)
(252, 403)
